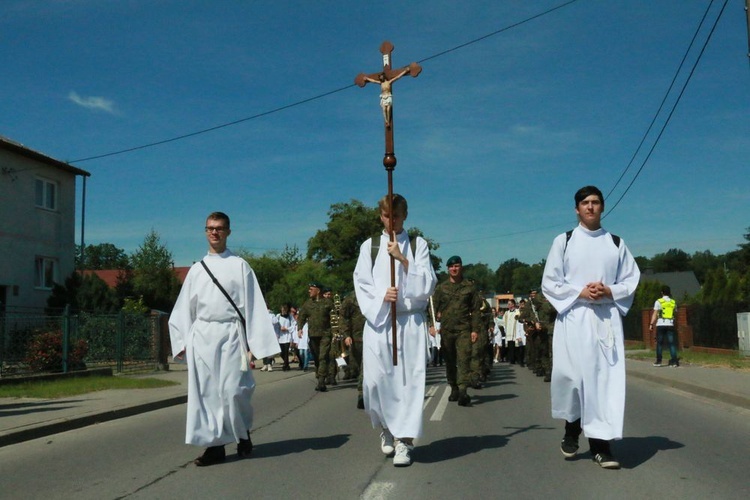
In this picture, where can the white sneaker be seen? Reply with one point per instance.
(402, 457)
(270, 368)
(386, 442)
(265, 368)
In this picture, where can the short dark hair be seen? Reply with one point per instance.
(665, 290)
(587, 191)
(219, 216)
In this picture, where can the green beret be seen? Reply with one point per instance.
(454, 260)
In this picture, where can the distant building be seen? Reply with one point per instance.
(111, 276)
(37, 224)
(680, 282)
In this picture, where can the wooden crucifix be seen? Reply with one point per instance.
(385, 79)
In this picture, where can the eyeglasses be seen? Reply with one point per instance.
(215, 229)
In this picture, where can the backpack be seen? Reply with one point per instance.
(375, 247)
(667, 308)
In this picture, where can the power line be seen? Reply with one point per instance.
(314, 98)
(666, 95)
(674, 107)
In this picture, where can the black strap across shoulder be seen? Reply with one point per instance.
(216, 282)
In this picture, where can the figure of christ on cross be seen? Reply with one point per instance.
(386, 95)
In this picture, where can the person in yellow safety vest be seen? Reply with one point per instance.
(663, 320)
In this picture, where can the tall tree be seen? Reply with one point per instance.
(504, 275)
(672, 261)
(482, 276)
(102, 256)
(153, 273)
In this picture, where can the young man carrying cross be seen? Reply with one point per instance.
(393, 395)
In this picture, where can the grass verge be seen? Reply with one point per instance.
(687, 357)
(62, 388)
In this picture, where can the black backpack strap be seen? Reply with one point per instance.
(221, 288)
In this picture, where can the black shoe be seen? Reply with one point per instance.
(606, 461)
(245, 447)
(360, 403)
(212, 456)
(547, 378)
(464, 399)
(569, 446)
(454, 394)
(476, 385)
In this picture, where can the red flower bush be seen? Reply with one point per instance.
(45, 352)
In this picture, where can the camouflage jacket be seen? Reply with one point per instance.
(352, 320)
(317, 314)
(459, 306)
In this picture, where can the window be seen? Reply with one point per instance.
(46, 194)
(46, 272)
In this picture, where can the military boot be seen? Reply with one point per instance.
(463, 398)
(454, 393)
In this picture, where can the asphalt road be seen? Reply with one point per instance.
(316, 445)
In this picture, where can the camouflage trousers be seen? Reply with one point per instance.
(456, 350)
(320, 348)
(480, 360)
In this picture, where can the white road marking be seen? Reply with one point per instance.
(441, 406)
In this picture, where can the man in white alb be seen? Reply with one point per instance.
(219, 319)
(590, 279)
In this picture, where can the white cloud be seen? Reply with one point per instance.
(93, 102)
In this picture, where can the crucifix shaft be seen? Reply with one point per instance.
(385, 79)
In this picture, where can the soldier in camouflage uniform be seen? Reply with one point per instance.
(532, 327)
(547, 317)
(316, 312)
(352, 326)
(480, 356)
(457, 305)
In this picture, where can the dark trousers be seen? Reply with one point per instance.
(667, 332)
(510, 350)
(285, 354)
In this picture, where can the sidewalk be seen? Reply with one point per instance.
(26, 419)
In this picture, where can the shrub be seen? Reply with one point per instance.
(45, 352)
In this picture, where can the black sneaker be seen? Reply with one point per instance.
(245, 447)
(212, 456)
(569, 446)
(606, 461)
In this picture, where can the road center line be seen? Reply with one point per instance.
(441, 406)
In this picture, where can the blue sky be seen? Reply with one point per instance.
(492, 139)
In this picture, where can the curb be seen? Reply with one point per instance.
(79, 422)
(698, 390)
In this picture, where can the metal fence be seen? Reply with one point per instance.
(126, 342)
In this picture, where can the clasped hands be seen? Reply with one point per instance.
(595, 291)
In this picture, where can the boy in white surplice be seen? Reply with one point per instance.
(393, 395)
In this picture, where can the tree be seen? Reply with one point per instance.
(504, 275)
(702, 263)
(153, 274)
(482, 276)
(527, 278)
(102, 256)
(83, 293)
(337, 246)
(672, 261)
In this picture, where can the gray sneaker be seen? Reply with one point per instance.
(386, 442)
(402, 457)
